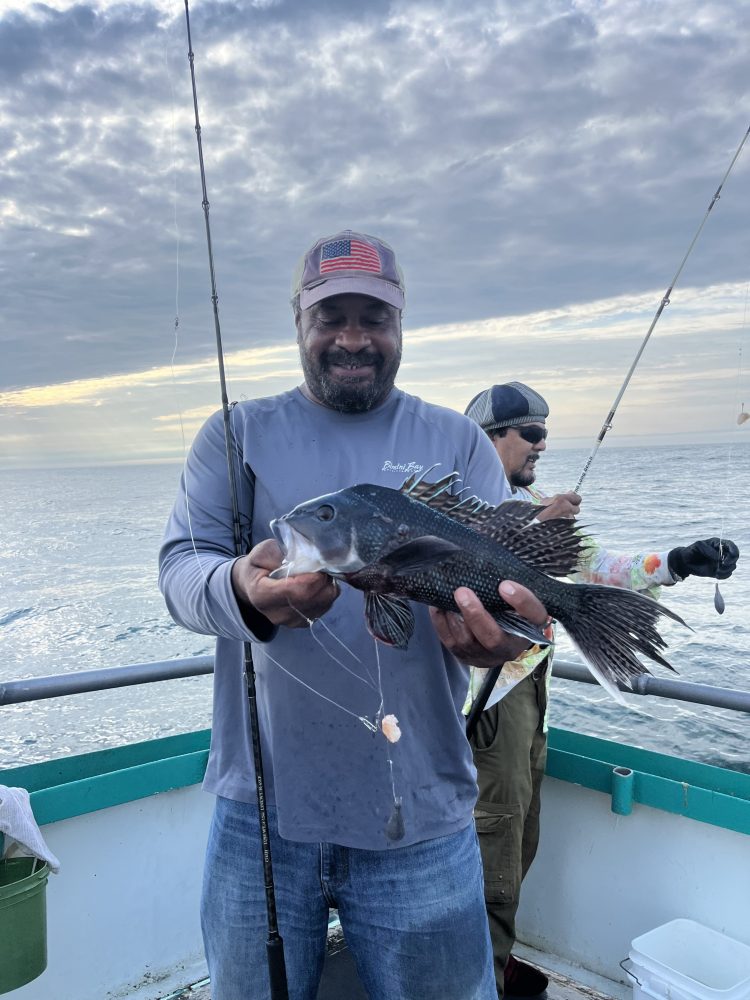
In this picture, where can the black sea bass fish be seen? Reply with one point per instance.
(421, 542)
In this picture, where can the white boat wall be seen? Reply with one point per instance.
(130, 826)
(679, 847)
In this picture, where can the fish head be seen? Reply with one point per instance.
(337, 533)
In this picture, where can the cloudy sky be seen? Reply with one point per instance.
(540, 168)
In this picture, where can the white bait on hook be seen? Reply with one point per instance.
(389, 725)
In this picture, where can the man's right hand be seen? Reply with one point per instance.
(560, 505)
(291, 601)
(474, 637)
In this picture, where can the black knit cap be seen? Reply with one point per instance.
(508, 405)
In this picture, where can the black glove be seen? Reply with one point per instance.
(710, 557)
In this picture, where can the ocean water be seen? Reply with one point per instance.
(79, 550)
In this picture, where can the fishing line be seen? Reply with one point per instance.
(173, 147)
(311, 623)
(606, 426)
(719, 602)
(394, 828)
(368, 723)
(176, 322)
(370, 681)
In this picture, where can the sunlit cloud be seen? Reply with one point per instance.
(538, 224)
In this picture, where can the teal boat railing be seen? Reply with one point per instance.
(79, 784)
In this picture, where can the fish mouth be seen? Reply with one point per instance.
(303, 555)
(300, 554)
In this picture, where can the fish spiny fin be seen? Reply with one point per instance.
(416, 487)
(552, 547)
(438, 497)
(413, 481)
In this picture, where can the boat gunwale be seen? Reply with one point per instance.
(84, 783)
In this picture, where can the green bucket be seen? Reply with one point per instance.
(23, 921)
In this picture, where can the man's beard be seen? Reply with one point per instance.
(524, 477)
(355, 396)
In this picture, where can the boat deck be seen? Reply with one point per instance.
(340, 981)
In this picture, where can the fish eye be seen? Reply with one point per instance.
(325, 512)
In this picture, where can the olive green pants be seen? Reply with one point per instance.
(510, 751)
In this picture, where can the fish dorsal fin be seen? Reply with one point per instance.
(551, 546)
(494, 522)
(505, 521)
(438, 496)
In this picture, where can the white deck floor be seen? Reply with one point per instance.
(566, 982)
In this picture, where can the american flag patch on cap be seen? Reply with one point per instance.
(349, 255)
(348, 262)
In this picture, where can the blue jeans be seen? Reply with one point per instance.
(413, 917)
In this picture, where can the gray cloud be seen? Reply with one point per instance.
(519, 157)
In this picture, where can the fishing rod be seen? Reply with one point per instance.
(664, 302)
(274, 942)
(483, 695)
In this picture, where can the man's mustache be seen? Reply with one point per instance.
(345, 359)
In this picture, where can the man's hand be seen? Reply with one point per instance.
(560, 505)
(712, 557)
(475, 637)
(290, 601)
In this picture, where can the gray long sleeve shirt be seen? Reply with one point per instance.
(327, 773)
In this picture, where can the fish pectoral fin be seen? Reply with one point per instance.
(389, 619)
(420, 553)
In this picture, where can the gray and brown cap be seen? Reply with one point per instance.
(508, 405)
(348, 262)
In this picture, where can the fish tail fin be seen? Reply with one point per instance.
(609, 626)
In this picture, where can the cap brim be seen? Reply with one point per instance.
(361, 284)
(528, 418)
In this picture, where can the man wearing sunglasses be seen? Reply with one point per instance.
(510, 741)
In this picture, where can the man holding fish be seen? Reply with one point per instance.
(510, 741)
(381, 830)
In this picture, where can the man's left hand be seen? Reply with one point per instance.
(475, 637)
(712, 557)
(560, 505)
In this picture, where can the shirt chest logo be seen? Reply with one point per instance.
(404, 467)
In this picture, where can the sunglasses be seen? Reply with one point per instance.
(532, 434)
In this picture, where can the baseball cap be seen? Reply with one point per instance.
(348, 262)
(508, 405)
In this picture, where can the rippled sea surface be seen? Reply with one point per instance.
(79, 550)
